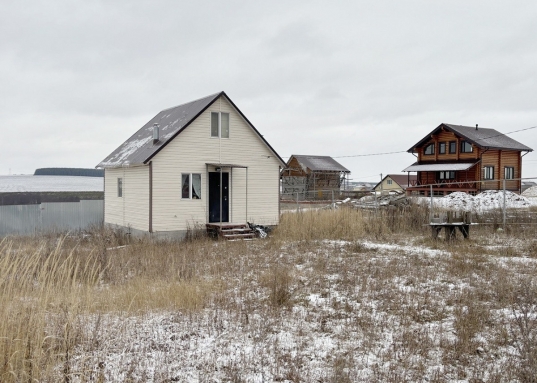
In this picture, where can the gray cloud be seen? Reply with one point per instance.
(336, 78)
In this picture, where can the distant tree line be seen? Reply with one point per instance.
(80, 172)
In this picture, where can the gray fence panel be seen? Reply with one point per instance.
(19, 219)
(50, 217)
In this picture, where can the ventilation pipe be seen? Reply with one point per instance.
(476, 126)
(155, 133)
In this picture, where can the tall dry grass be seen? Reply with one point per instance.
(56, 293)
(348, 223)
(48, 284)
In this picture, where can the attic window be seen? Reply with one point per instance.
(442, 148)
(429, 149)
(219, 125)
(466, 147)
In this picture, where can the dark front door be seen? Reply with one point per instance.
(214, 197)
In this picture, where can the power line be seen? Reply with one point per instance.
(404, 151)
(371, 154)
(505, 134)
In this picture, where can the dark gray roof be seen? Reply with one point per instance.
(139, 148)
(482, 137)
(319, 163)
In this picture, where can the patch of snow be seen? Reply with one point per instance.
(530, 192)
(487, 200)
(126, 150)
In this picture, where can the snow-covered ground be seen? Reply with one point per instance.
(487, 200)
(30, 183)
(360, 312)
(531, 195)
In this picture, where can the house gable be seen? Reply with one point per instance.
(484, 138)
(140, 148)
(254, 188)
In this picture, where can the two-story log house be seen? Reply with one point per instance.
(464, 158)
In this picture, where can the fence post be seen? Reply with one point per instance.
(297, 207)
(431, 208)
(333, 200)
(504, 205)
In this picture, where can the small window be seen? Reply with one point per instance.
(446, 175)
(429, 149)
(191, 185)
(488, 172)
(509, 173)
(224, 131)
(120, 187)
(214, 124)
(389, 182)
(219, 125)
(452, 147)
(442, 148)
(466, 147)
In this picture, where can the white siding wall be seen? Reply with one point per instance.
(387, 187)
(189, 153)
(133, 208)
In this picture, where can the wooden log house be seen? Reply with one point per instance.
(468, 159)
(312, 176)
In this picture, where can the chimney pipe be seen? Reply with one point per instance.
(476, 126)
(155, 133)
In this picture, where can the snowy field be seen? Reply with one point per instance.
(350, 296)
(359, 311)
(30, 183)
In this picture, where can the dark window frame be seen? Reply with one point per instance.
(432, 145)
(442, 146)
(509, 172)
(465, 145)
(452, 147)
(446, 175)
(488, 172)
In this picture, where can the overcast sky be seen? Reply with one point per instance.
(338, 78)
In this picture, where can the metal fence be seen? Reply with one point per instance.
(50, 217)
(317, 198)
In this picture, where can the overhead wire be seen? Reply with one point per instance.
(404, 151)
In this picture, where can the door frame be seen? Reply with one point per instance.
(215, 167)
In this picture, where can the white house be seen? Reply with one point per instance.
(196, 163)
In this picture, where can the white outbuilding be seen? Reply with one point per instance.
(198, 163)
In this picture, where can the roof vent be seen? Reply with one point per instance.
(476, 126)
(155, 133)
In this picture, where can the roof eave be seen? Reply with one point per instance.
(282, 162)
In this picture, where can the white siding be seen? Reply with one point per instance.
(191, 150)
(131, 210)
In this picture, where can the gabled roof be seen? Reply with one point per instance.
(400, 179)
(318, 163)
(139, 148)
(482, 137)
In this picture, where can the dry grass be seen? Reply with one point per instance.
(332, 296)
